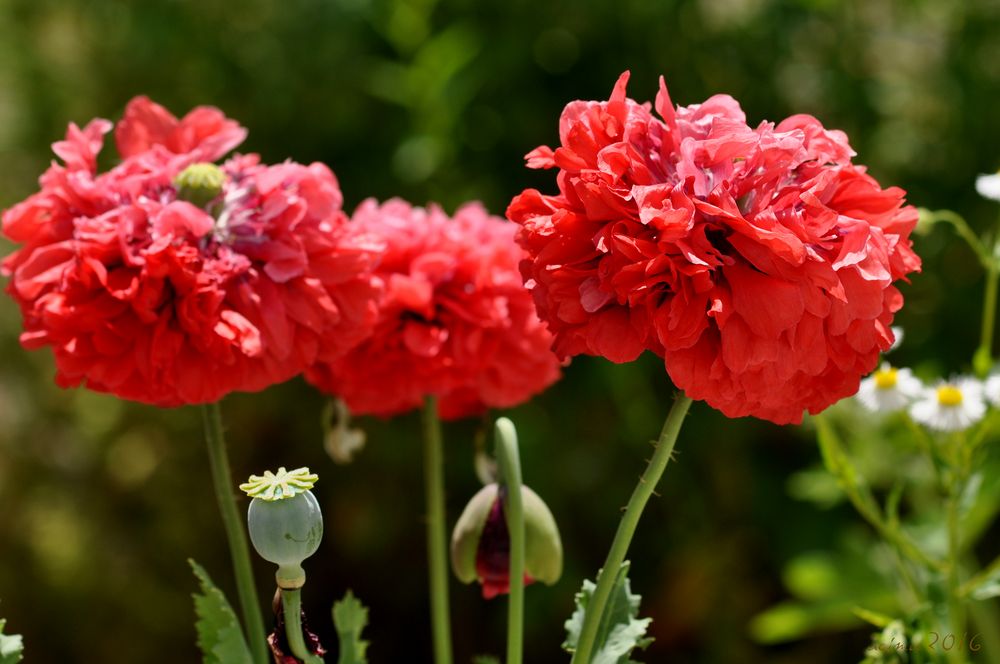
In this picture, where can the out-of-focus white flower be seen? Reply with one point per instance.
(991, 389)
(952, 405)
(889, 389)
(988, 186)
(897, 337)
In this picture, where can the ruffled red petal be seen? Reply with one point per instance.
(156, 300)
(455, 321)
(758, 262)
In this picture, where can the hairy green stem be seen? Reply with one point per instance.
(510, 468)
(253, 621)
(626, 528)
(437, 557)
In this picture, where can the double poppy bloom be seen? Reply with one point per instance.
(455, 320)
(758, 262)
(170, 280)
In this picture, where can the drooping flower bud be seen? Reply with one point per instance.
(285, 521)
(199, 184)
(480, 543)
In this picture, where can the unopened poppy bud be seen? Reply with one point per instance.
(200, 184)
(285, 522)
(480, 543)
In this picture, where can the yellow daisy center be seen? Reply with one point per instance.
(949, 395)
(885, 379)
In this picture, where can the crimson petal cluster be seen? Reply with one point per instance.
(758, 262)
(153, 298)
(455, 320)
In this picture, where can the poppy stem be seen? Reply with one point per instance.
(509, 458)
(253, 621)
(437, 560)
(593, 617)
(291, 603)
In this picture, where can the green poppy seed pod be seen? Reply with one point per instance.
(480, 543)
(200, 183)
(285, 521)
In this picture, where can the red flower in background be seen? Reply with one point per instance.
(168, 301)
(455, 320)
(758, 262)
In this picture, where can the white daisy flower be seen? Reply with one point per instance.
(991, 389)
(988, 186)
(952, 405)
(889, 389)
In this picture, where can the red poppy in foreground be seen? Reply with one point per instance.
(169, 280)
(758, 262)
(455, 320)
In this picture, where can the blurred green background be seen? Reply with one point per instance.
(101, 501)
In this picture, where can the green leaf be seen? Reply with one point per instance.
(350, 617)
(620, 630)
(970, 493)
(988, 588)
(11, 647)
(219, 634)
(792, 620)
(873, 618)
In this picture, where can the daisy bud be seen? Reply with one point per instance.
(285, 522)
(480, 544)
(200, 184)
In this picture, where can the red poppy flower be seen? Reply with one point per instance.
(455, 320)
(758, 262)
(168, 301)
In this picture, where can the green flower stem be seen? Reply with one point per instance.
(984, 430)
(983, 359)
(510, 468)
(963, 229)
(838, 463)
(291, 602)
(626, 528)
(437, 560)
(985, 618)
(928, 447)
(253, 621)
(956, 607)
(917, 595)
